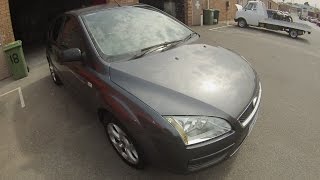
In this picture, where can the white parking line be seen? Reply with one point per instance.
(220, 27)
(20, 96)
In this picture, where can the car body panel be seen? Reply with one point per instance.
(200, 73)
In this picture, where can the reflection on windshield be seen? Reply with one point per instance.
(126, 30)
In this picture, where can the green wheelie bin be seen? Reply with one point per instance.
(208, 16)
(216, 16)
(16, 60)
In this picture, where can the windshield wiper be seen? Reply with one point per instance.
(164, 46)
(189, 36)
(183, 40)
(154, 48)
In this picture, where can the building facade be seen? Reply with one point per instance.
(6, 35)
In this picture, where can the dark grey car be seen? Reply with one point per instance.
(163, 99)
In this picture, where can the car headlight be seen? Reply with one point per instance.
(196, 129)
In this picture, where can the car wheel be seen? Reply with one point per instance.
(124, 144)
(54, 75)
(293, 33)
(242, 23)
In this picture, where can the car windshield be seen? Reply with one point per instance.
(119, 33)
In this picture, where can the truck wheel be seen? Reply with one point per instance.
(242, 23)
(293, 33)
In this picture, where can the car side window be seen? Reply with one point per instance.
(71, 34)
(56, 29)
(254, 7)
(250, 6)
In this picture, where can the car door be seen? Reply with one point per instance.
(252, 14)
(78, 74)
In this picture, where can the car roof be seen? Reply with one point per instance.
(93, 9)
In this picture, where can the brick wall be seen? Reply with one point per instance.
(6, 32)
(284, 7)
(188, 12)
(224, 13)
(270, 4)
(4, 69)
(6, 35)
(274, 5)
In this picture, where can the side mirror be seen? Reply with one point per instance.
(70, 55)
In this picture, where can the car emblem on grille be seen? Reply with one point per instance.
(254, 101)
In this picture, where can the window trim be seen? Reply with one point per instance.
(81, 36)
(254, 6)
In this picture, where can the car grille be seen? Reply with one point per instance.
(199, 163)
(252, 109)
(247, 112)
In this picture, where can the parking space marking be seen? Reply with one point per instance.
(239, 32)
(220, 27)
(20, 96)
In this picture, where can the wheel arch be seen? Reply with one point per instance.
(245, 24)
(119, 110)
(240, 18)
(129, 118)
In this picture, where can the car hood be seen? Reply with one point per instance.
(239, 7)
(192, 79)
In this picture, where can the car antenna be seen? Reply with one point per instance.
(117, 3)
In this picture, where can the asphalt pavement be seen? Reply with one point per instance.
(54, 137)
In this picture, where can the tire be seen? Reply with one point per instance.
(56, 79)
(123, 143)
(288, 19)
(293, 33)
(242, 23)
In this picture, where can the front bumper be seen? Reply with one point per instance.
(184, 159)
(232, 146)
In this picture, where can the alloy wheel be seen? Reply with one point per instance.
(122, 144)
